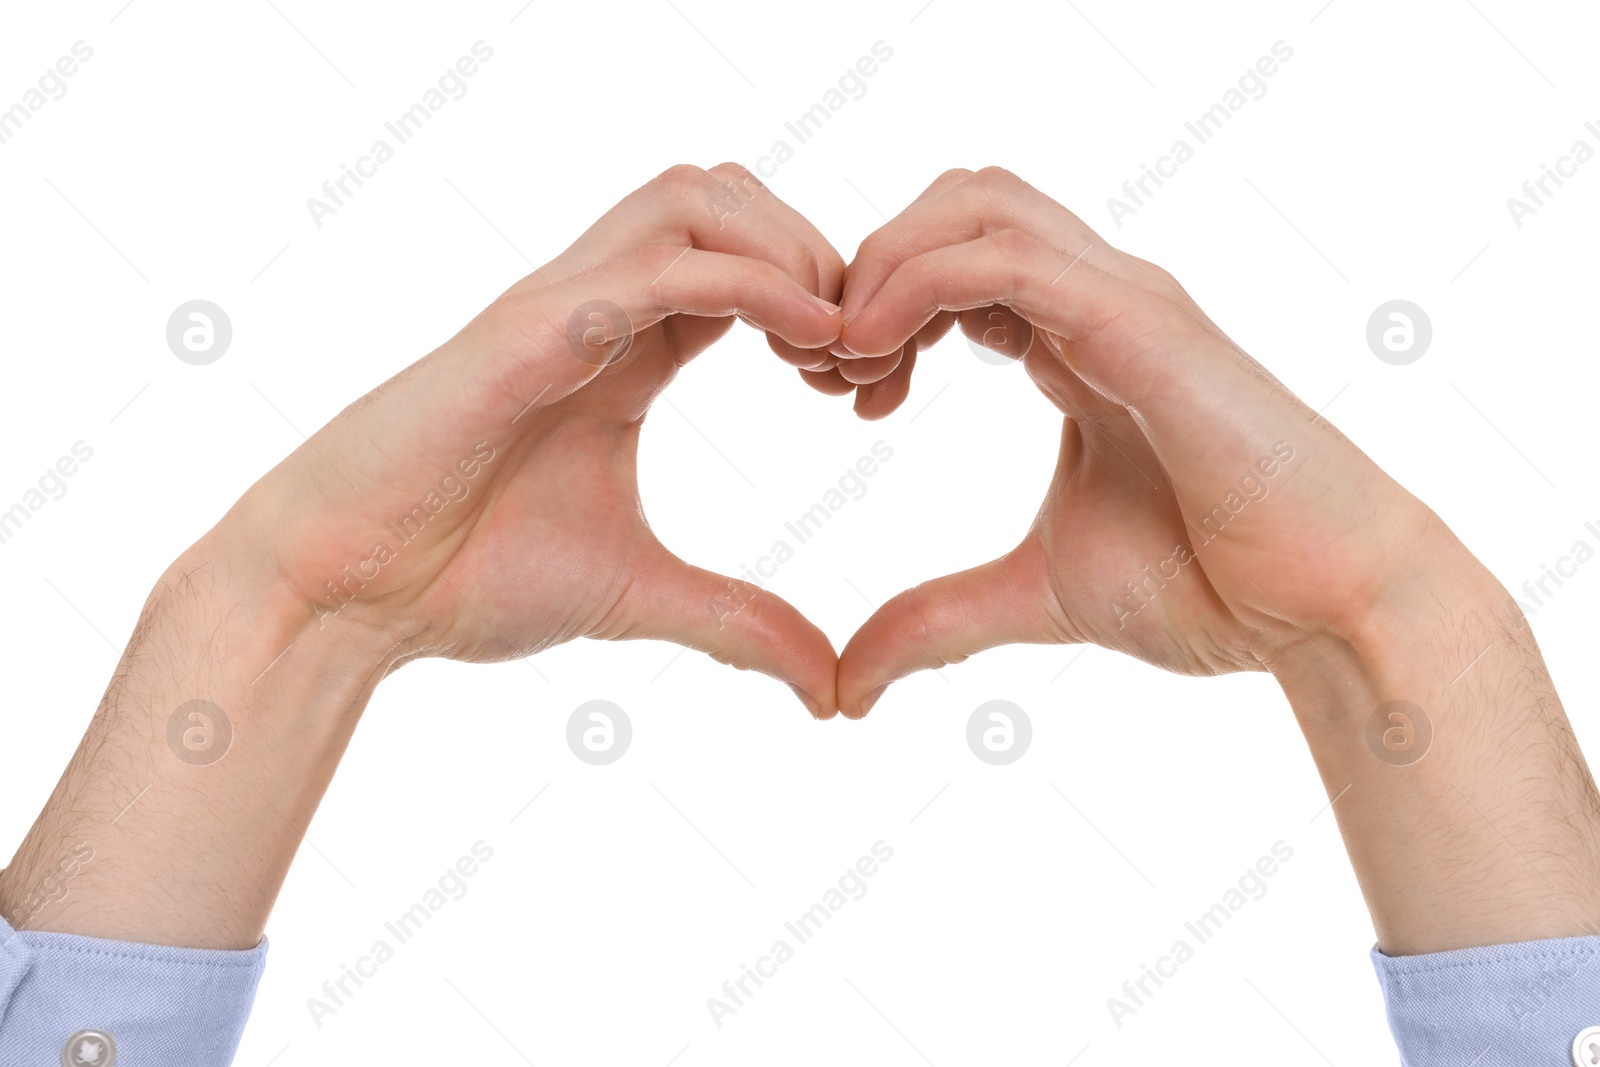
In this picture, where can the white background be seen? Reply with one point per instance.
(1019, 898)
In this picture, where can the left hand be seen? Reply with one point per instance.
(483, 504)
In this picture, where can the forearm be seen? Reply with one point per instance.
(1490, 836)
(192, 831)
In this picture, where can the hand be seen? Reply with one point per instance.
(480, 505)
(1201, 517)
(483, 504)
(1204, 519)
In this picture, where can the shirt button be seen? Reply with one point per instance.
(1586, 1048)
(94, 1048)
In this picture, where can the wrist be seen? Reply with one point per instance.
(1467, 809)
(232, 573)
(1417, 618)
(227, 717)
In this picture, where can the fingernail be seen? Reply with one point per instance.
(805, 698)
(872, 698)
(827, 306)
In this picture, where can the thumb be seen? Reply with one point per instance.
(945, 621)
(736, 623)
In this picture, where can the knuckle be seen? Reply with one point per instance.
(997, 177)
(682, 179)
(655, 260)
(874, 247)
(790, 264)
(1012, 242)
(1158, 281)
(656, 256)
(803, 267)
(738, 175)
(1153, 270)
(833, 262)
(915, 628)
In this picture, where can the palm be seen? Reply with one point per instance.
(562, 549)
(547, 540)
(1179, 568)
(1128, 550)
(1201, 517)
(1108, 568)
(540, 537)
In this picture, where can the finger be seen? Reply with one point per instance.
(804, 358)
(865, 271)
(1006, 333)
(993, 199)
(880, 399)
(691, 335)
(830, 264)
(944, 181)
(942, 622)
(829, 382)
(693, 282)
(867, 371)
(956, 210)
(932, 333)
(864, 261)
(736, 623)
(688, 206)
(1107, 321)
(1047, 366)
(952, 177)
(1000, 330)
(1207, 410)
(964, 206)
(532, 349)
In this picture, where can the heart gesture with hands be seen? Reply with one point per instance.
(483, 505)
(1141, 545)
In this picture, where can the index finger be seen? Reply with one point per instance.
(960, 206)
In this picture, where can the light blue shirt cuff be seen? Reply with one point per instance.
(82, 1000)
(1518, 1005)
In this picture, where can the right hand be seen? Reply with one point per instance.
(1263, 526)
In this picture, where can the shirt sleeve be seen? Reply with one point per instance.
(89, 1002)
(1530, 1004)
